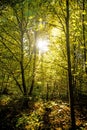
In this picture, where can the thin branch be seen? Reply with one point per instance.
(59, 18)
(62, 67)
(10, 72)
(9, 49)
(10, 36)
(62, 9)
(54, 25)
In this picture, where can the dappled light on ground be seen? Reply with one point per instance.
(41, 115)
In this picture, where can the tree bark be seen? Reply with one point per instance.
(34, 66)
(71, 97)
(22, 53)
(84, 44)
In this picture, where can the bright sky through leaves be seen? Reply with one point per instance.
(42, 45)
(55, 32)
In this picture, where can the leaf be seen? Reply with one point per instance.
(82, 47)
(84, 12)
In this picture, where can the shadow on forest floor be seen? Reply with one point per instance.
(39, 115)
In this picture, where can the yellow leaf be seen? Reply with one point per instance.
(84, 12)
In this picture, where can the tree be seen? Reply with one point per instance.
(84, 39)
(71, 97)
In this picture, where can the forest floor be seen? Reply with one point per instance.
(40, 115)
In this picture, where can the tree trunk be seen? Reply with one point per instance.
(34, 66)
(84, 44)
(71, 100)
(22, 69)
(22, 61)
(21, 28)
(23, 79)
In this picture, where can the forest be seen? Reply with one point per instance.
(43, 65)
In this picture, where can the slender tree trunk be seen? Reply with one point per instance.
(34, 66)
(20, 21)
(22, 67)
(23, 78)
(22, 53)
(69, 68)
(74, 68)
(84, 43)
(47, 93)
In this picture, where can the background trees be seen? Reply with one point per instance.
(36, 70)
(23, 23)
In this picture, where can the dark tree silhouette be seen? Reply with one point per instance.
(69, 67)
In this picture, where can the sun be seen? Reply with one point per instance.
(42, 45)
